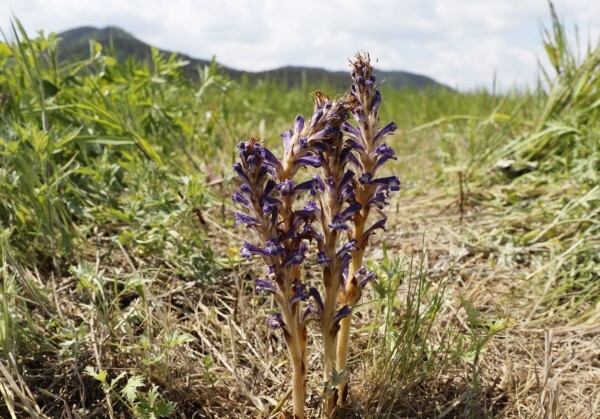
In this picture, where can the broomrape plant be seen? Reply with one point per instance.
(328, 211)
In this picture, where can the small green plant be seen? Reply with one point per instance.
(143, 404)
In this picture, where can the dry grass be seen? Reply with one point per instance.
(545, 366)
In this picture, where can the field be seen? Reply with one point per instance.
(123, 292)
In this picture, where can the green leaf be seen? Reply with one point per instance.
(50, 89)
(130, 390)
(165, 409)
(100, 376)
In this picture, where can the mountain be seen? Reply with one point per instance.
(75, 45)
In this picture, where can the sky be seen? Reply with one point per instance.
(462, 43)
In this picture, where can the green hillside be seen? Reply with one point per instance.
(75, 45)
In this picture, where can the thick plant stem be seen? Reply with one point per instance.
(329, 359)
(296, 341)
(298, 387)
(350, 298)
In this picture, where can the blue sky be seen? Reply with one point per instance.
(459, 42)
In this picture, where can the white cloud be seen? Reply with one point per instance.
(459, 42)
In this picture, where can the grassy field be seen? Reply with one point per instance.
(123, 293)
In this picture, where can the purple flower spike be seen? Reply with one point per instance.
(264, 286)
(276, 321)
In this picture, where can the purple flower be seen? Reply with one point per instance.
(285, 188)
(271, 184)
(273, 248)
(348, 247)
(287, 138)
(249, 249)
(338, 222)
(314, 293)
(264, 286)
(245, 219)
(391, 182)
(363, 276)
(345, 180)
(342, 312)
(299, 294)
(276, 321)
(348, 156)
(319, 184)
(321, 258)
(365, 178)
(242, 200)
(239, 169)
(295, 256)
(309, 211)
(299, 124)
(270, 158)
(379, 224)
(384, 154)
(387, 130)
(376, 101)
(311, 186)
(310, 310)
(354, 133)
(308, 232)
(379, 199)
(314, 161)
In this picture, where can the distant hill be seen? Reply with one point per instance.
(75, 44)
